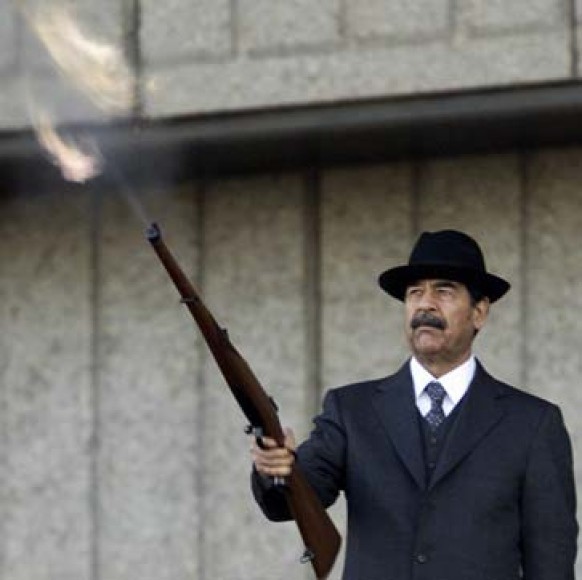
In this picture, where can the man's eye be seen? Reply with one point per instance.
(446, 290)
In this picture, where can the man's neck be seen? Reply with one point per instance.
(438, 367)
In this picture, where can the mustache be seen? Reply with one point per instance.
(427, 319)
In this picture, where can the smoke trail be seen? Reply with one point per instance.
(100, 72)
(98, 69)
(77, 162)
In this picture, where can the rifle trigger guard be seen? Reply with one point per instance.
(307, 556)
(258, 433)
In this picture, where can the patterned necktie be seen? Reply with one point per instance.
(436, 415)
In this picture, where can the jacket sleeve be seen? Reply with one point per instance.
(320, 458)
(548, 508)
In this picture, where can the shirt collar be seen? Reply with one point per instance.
(455, 382)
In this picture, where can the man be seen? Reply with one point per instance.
(448, 473)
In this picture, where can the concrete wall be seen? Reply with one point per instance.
(121, 450)
(122, 453)
(225, 55)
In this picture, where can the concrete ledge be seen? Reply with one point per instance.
(291, 138)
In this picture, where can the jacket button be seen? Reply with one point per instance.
(421, 558)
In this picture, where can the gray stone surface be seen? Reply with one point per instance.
(275, 25)
(253, 281)
(45, 373)
(13, 113)
(223, 56)
(553, 281)
(490, 16)
(482, 195)
(256, 82)
(366, 228)
(147, 400)
(8, 27)
(411, 21)
(180, 30)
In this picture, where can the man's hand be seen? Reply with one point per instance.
(272, 460)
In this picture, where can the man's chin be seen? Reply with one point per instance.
(427, 342)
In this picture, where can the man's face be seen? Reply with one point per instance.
(441, 320)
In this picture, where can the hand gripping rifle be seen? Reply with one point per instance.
(321, 538)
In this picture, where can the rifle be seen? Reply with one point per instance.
(320, 536)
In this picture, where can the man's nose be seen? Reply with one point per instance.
(427, 301)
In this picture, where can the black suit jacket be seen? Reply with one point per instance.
(499, 506)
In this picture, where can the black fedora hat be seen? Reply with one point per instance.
(446, 254)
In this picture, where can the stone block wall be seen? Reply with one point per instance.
(229, 55)
(276, 53)
(122, 453)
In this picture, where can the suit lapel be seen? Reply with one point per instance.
(396, 409)
(479, 414)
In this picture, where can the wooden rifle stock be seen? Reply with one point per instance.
(320, 536)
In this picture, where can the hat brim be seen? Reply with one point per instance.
(395, 280)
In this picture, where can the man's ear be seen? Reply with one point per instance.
(480, 312)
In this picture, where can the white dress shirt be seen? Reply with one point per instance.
(455, 383)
